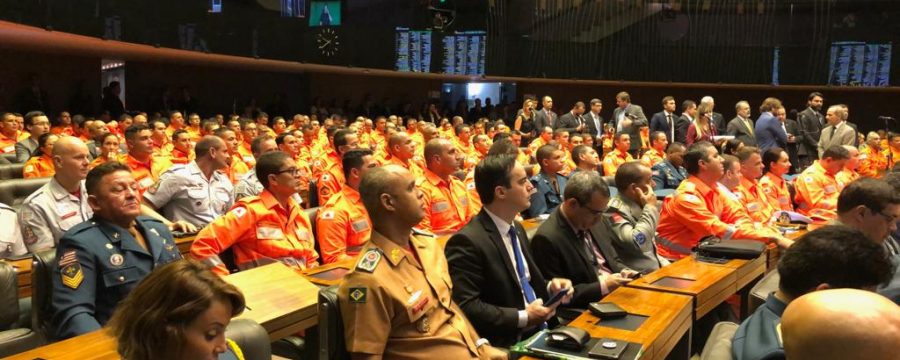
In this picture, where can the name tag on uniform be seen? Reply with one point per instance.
(360, 225)
(783, 200)
(265, 233)
(249, 158)
(440, 206)
(830, 189)
(753, 206)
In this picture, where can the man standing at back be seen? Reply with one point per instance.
(665, 120)
(811, 123)
(629, 119)
(545, 117)
(496, 281)
(838, 131)
(769, 129)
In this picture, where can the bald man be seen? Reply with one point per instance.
(446, 198)
(841, 324)
(61, 203)
(402, 149)
(849, 174)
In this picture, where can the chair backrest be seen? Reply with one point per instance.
(312, 213)
(718, 345)
(13, 192)
(42, 265)
(11, 171)
(9, 296)
(313, 194)
(251, 337)
(331, 326)
(765, 286)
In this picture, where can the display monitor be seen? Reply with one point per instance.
(325, 13)
(857, 63)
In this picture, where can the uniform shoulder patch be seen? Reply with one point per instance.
(691, 198)
(358, 295)
(70, 270)
(369, 260)
(327, 215)
(239, 211)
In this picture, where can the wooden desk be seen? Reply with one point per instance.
(668, 320)
(95, 345)
(711, 283)
(278, 298)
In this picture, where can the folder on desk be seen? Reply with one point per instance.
(536, 346)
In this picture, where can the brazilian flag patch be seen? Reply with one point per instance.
(358, 295)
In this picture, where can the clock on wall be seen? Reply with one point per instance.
(327, 42)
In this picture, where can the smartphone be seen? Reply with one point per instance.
(556, 298)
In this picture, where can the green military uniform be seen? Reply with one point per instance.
(635, 230)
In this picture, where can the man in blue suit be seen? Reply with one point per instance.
(769, 129)
(665, 120)
(549, 184)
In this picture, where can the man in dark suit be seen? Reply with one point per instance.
(545, 116)
(575, 242)
(572, 120)
(665, 120)
(496, 281)
(811, 123)
(793, 130)
(742, 127)
(717, 119)
(838, 131)
(688, 113)
(593, 122)
(629, 118)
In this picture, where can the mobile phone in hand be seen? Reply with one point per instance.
(556, 298)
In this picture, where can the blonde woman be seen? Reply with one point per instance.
(525, 120)
(701, 128)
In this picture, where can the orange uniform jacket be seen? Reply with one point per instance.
(755, 201)
(696, 211)
(147, 174)
(613, 160)
(446, 204)
(321, 166)
(474, 199)
(330, 182)
(535, 145)
(163, 149)
(893, 156)
(408, 165)
(246, 154)
(179, 157)
(653, 157)
(102, 159)
(260, 231)
(237, 169)
(63, 130)
(343, 226)
(872, 163)
(816, 192)
(39, 166)
(7, 145)
(846, 176)
(777, 192)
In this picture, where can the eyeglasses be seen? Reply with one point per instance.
(889, 218)
(292, 171)
(592, 211)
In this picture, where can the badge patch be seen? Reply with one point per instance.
(395, 255)
(440, 206)
(640, 238)
(72, 276)
(328, 215)
(116, 260)
(358, 295)
(239, 212)
(691, 198)
(369, 261)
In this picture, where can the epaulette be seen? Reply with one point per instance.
(83, 226)
(369, 260)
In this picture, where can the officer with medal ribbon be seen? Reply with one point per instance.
(100, 261)
(396, 302)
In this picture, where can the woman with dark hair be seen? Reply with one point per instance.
(776, 164)
(179, 311)
(41, 162)
(109, 150)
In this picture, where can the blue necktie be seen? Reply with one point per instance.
(520, 268)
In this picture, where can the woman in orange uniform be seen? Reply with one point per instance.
(41, 163)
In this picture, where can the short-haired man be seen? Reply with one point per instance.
(176, 122)
(37, 124)
(332, 178)
(816, 188)
(619, 155)
(145, 167)
(9, 133)
(826, 258)
(572, 120)
(629, 118)
(665, 121)
(249, 184)
(742, 127)
(249, 131)
(893, 149)
(657, 152)
(401, 270)
(262, 229)
(102, 260)
(586, 159)
(545, 135)
(669, 173)
(196, 192)
(504, 306)
(699, 209)
(290, 144)
(841, 324)
(633, 214)
(811, 122)
(575, 242)
(402, 149)
(769, 129)
(343, 225)
(183, 149)
(871, 206)
(750, 193)
(849, 174)
(159, 138)
(447, 207)
(545, 117)
(60, 204)
(873, 160)
(549, 184)
(236, 166)
(838, 131)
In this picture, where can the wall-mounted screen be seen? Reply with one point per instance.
(325, 13)
(413, 50)
(464, 53)
(857, 63)
(293, 8)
